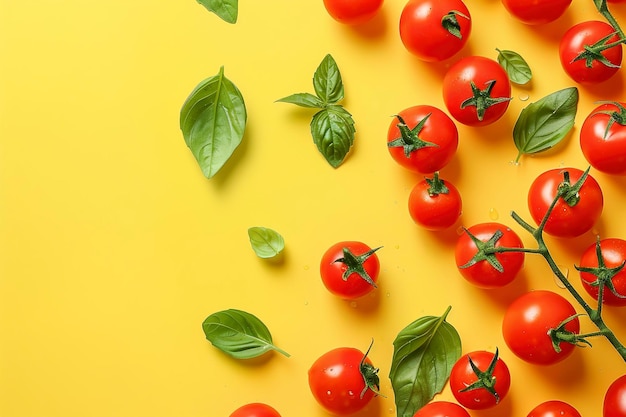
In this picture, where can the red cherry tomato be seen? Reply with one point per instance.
(422, 139)
(441, 409)
(352, 12)
(435, 30)
(613, 256)
(527, 322)
(498, 269)
(483, 389)
(476, 91)
(554, 408)
(615, 399)
(255, 410)
(435, 204)
(603, 138)
(536, 12)
(350, 269)
(590, 69)
(566, 220)
(338, 381)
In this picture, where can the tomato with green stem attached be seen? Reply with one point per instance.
(602, 271)
(603, 138)
(614, 404)
(536, 12)
(350, 269)
(255, 410)
(554, 408)
(353, 12)
(435, 204)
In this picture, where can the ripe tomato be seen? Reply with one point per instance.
(603, 138)
(255, 410)
(536, 12)
(613, 256)
(584, 66)
(435, 30)
(343, 380)
(352, 12)
(554, 408)
(422, 139)
(575, 212)
(476, 260)
(476, 91)
(435, 204)
(615, 399)
(480, 380)
(441, 409)
(527, 325)
(350, 269)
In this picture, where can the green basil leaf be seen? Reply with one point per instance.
(239, 334)
(213, 121)
(333, 130)
(327, 81)
(543, 124)
(515, 66)
(423, 356)
(225, 9)
(303, 100)
(266, 243)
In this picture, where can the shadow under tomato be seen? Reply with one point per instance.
(569, 372)
(366, 304)
(374, 28)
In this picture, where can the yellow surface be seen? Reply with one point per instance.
(114, 247)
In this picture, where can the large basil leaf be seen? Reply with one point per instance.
(327, 81)
(226, 9)
(239, 334)
(515, 66)
(423, 356)
(333, 130)
(543, 124)
(266, 243)
(213, 121)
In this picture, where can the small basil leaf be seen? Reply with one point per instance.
(543, 124)
(327, 81)
(333, 130)
(238, 334)
(225, 9)
(265, 242)
(213, 120)
(423, 356)
(515, 66)
(303, 100)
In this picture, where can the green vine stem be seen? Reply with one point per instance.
(602, 7)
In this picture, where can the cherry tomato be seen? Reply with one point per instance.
(350, 269)
(476, 91)
(480, 380)
(603, 138)
(615, 399)
(422, 139)
(613, 256)
(343, 380)
(435, 30)
(441, 409)
(352, 12)
(590, 67)
(530, 319)
(255, 410)
(435, 204)
(554, 408)
(575, 212)
(536, 12)
(476, 260)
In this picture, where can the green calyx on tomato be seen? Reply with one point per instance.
(370, 375)
(615, 116)
(409, 139)
(486, 380)
(450, 22)
(604, 275)
(482, 100)
(354, 264)
(436, 186)
(486, 251)
(570, 193)
(560, 334)
(593, 53)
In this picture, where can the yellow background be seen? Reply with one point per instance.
(114, 247)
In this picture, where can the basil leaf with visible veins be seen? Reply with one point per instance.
(515, 66)
(225, 9)
(266, 243)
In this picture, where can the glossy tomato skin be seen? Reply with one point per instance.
(255, 410)
(424, 35)
(614, 404)
(438, 130)
(352, 12)
(613, 254)
(482, 274)
(554, 408)
(573, 43)
(441, 409)
(536, 12)
(604, 149)
(435, 211)
(565, 221)
(336, 381)
(332, 270)
(483, 73)
(462, 376)
(527, 321)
